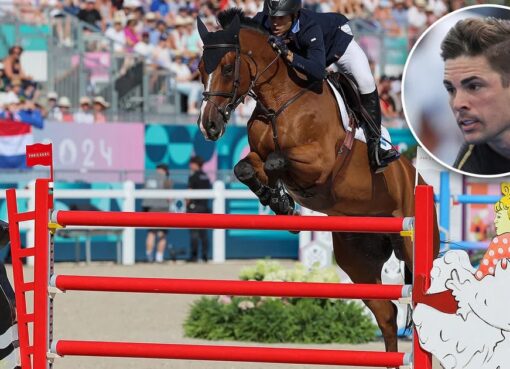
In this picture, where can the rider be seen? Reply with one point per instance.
(310, 42)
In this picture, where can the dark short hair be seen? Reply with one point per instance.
(489, 37)
(197, 160)
(11, 49)
(164, 167)
(498, 57)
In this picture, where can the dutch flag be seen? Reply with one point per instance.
(15, 135)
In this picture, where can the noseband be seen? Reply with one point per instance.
(227, 109)
(235, 100)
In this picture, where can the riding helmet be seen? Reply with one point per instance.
(278, 8)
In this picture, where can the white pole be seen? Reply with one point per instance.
(219, 234)
(128, 234)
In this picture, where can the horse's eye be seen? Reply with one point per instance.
(227, 70)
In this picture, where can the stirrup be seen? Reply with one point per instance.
(373, 147)
(379, 165)
(388, 156)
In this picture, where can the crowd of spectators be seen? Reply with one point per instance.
(21, 98)
(18, 91)
(89, 111)
(164, 32)
(389, 88)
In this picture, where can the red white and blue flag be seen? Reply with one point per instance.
(14, 137)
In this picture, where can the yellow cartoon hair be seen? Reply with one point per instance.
(504, 202)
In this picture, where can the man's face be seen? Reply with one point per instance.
(479, 101)
(161, 172)
(194, 167)
(280, 25)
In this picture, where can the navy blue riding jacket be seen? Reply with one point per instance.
(317, 40)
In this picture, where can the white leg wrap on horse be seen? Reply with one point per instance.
(354, 61)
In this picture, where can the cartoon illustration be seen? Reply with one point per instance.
(476, 336)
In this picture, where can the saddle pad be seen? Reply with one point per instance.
(359, 134)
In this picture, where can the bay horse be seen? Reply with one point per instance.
(294, 134)
(8, 331)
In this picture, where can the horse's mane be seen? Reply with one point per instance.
(227, 16)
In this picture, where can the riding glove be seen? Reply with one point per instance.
(279, 44)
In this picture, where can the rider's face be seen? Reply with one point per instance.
(280, 25)
(479, 100)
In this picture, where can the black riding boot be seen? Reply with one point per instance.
(378, 157)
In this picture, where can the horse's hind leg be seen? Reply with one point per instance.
(362, 257)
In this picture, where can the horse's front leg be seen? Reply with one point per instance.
(262, 178)
(275, 167)
(250, 171)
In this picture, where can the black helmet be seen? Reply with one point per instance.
(278, 8)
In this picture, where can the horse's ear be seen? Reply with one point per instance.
(202, 29)
(234, 27)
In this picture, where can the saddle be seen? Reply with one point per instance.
(351, 96)
(349, 91)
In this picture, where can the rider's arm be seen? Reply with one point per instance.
(313, 63)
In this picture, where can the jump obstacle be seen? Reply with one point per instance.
(42, 349)
(446, 200)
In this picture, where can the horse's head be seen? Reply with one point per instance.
(225, 77)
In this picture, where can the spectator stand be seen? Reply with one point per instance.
(97, 49)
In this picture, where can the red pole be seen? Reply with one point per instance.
(423, 259)
(230, 221)
(224, 287)
(230, 353)
(19, 281)
(41, 270)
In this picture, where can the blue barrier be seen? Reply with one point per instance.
(476, 199)
(444, 199)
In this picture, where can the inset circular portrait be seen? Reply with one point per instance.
(456, 90)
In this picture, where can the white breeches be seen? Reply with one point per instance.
(355, 62)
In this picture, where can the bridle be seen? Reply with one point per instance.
(235, 100)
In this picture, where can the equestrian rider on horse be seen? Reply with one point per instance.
(310, 42)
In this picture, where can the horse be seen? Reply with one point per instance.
(8, 332)
(295, 136)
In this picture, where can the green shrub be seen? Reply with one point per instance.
(260, 319)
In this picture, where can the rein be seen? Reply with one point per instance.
(235, 100)
(226, 110)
